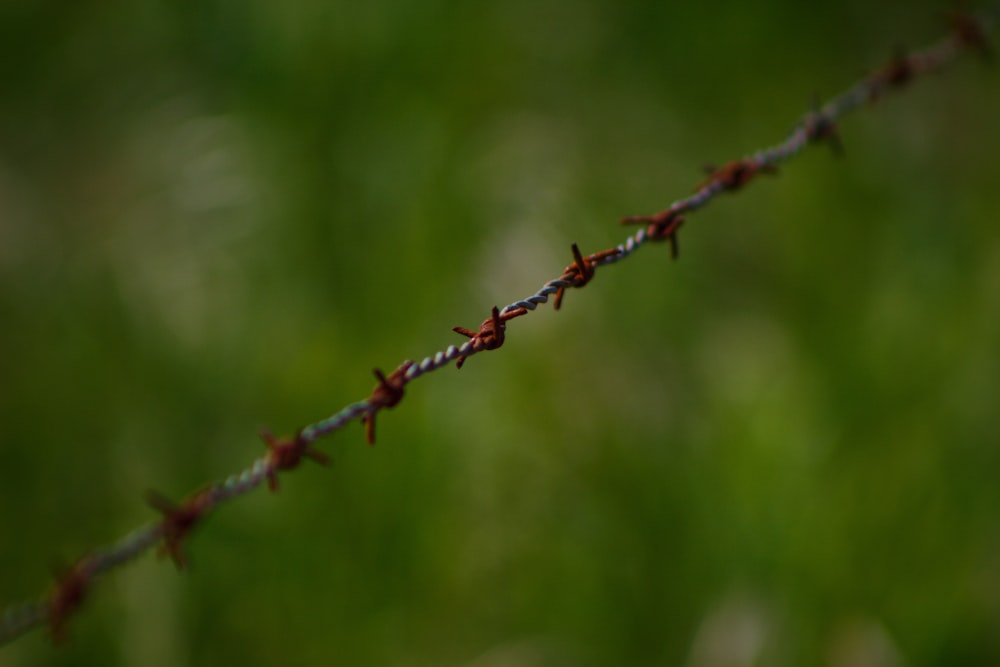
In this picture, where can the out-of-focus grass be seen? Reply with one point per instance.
(780, 450)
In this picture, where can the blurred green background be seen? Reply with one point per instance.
(781, 450)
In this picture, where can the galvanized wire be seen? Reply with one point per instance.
(71, 586)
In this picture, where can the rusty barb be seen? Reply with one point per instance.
(662, 226)
(581, 271)
(178, 521)
(285, 453)
(73, 584)
(734, 175)
(819, 126)
(387, 394)
(491, 334)
(896, 73)
(67, 595)
(970, 33)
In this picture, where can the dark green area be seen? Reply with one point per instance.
(781, 450)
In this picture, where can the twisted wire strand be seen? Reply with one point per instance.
(71, 586)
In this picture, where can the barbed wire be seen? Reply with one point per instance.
(285, 453)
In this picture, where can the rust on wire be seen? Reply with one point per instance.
(68, 593)
(491, 334)
(894, 74)
(581, 271)
(734, 175)
(663, 226)
(285, 453)
(387, 394)
(970, 33)
(820, 126)
(178, 521)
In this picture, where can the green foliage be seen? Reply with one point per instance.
(780, 450)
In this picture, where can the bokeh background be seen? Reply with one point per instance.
(781, 450)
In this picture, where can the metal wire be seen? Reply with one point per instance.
(71, 587)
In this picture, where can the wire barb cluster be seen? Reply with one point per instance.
(491, 333)
(285, 453)
(387, 393)
(73, 584)
(178, 521)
